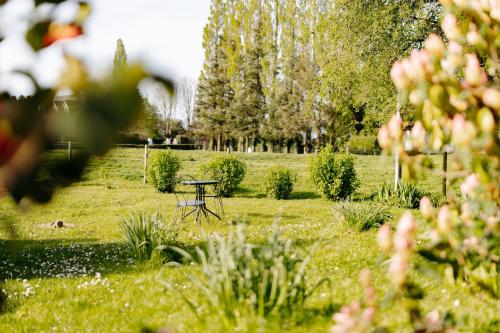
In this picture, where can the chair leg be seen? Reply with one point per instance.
(176, 213)
(220, 206)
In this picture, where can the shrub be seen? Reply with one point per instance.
(243, 281)
(407, 195)
(162, 171)
(333, 174)
(363, 144)
(363, 217)
(148, 236)
(228, 170)
(279, 182)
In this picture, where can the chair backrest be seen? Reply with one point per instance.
(184, 192)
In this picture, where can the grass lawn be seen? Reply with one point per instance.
(81, 279)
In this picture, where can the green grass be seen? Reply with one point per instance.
(61, 265)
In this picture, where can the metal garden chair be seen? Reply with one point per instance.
(187, 199)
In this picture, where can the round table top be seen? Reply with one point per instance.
(200, 182)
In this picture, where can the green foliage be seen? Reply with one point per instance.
(363, 144)
(279, 182)
(120, 59)
(162, 170)
(228, 170)
(407, 195)
(333, 174)
(362, 217)
(243, 281)
(148, 236)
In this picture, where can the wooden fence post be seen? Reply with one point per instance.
(445, 169)
(69, 150)
(145, 161)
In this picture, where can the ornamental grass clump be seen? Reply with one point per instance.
(333, 174)
(406, 195)
(279, 182)
(228, 170)
(363, 217)
(149, 236)
(245, 283)
(162, 171)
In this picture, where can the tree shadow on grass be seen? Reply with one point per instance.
(27, 259)
(312, 315)
(301, 195)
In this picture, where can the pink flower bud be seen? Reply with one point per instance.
(474, 74)
(450, 28)
(495, 13)
(434, 45)
(418, 134)
(399, 77)
(384, 238)
(426, 208)
(458, 103)
(486, 120)
(395, 127)
(383, 138)
(417, 97)
(398, 268)
(491, 97)
(433, 322)
(463, 132)
(444, 220)
(474, 38)
(455, 48)
(415, 68)
(406, 224)
(466, 211)
(469, 185)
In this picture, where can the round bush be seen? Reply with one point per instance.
(228, 170)
(162, 170)
(363, 144)
(333, 174)
(279, 182)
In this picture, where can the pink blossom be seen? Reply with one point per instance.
(417, 97)
(444, 220)
(491, 97)
(435, 45)
(486, 120)
(384, 238)
(398, 268)
(466, 212)
(406, 225)
(395, 127)
(399, 77)
(418, 134)
(383, 137)
(450, 28)
(469, 185)
(474, 74)
(463, 132)
(426, 208)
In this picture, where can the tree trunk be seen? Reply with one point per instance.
(318, 139)
(246, 144)
(240, 144)
(211, 143)
(219, 139)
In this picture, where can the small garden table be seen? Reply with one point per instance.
(200, 197)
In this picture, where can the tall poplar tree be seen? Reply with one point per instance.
(120, 59)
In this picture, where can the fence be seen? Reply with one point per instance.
(71, 146)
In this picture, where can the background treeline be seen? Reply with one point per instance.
(302, 73)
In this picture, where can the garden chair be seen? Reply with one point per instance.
(214, 196)
(187, 199)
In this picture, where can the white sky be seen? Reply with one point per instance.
(164, 34)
